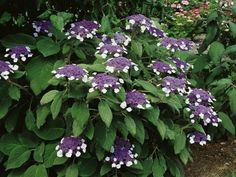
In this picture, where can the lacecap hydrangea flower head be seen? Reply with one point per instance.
(82, 30)
(205, 113)
(19, 53)
(135, 99)
(104, 82)
(140, 21)
(72, 72)
(6, 68)
(42, 27)
(122, 154)
(120, 64)
(70, 146)
(112, 50)
(160, 67)
(174, 85)
(174, 45)
(200, 97)
(198, 137)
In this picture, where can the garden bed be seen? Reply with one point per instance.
(213, 160)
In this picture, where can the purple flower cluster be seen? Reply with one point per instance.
(19, 52)
(162, 67)
(6, 68)
(138, 20)
(207, 114)
(156, 32)
(198, 137)
(182, 65)
(199, 97)
(120, 64)
(135, 99)
(174, 45)
(172, 85)
(120, 39)
(42, 27)
(122, 154)
(72, 72)
(200, 106)
(71, 146)
(112, 50)
(104, 81)
(144, 24)
(83, 29)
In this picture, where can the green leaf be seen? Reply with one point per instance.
(105, 25)
(8, 142)
(56, 105)
(42, 113)
(54, 129)
(137, 48)
(76, 128)
(72, 171)
(105, 169)
(18, 39)
(232, 98)
(140, 131)
(11, 120)
(5, 104)
(227, 123)
(88, 167)
(67, 17)
(97, 67)
(152, 115)
(232, 27)
(179, 142)
(148, 86)
(30, 120)
(36, 171)
(104, 136)
(80, 54)
(230, 49)
(49, 134)
(18, 156)
(105, 113)
(200, 63)
(39, 72)
(161, 127)
(89, 131)
(38, 153)
(80, 112)
(130, 124)
(185, 156)
(216, 51)
(50, 157)
(173, 168)
(57, 22)
(48, 47)
(77, 91)
(198, 128)
(48, 97)
(212, 16)
(158, 169)
(14, 92)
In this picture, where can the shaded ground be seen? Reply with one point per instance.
(213, 160)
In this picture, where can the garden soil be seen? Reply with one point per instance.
(213, 160)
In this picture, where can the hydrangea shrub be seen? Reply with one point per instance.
(85, 101)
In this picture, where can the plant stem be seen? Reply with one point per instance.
(19, 86)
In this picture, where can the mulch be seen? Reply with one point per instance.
(213, 160)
